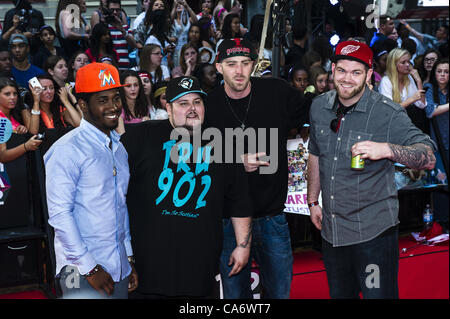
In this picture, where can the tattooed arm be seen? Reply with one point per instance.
(243, 232)
(416, 156)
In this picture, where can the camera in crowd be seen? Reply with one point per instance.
(24, 11)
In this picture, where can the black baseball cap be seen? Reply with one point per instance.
(177, 87)
(235, 47)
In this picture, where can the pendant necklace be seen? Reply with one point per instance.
(246, 112)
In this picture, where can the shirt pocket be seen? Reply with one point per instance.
(356, 137)
(323, 138)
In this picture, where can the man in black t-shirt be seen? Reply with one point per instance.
(265, 108)
(176, 204)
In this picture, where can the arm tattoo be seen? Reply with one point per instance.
(417, 156)
(246, 241)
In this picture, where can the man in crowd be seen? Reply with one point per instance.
(386, 27)
(359, 219)
(87, 178)
(22, 69)
(269, 108)
(5, 59)
(176, 206)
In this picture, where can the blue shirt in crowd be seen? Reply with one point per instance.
(441, 120)
(86, 183)
(22, 77)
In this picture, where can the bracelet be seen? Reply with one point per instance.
(25, 147)
(93, 271)
(316, 203)
(35, 112)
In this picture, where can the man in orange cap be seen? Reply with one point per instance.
(87, 178)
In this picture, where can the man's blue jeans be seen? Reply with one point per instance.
(271, 249)
(370, 267)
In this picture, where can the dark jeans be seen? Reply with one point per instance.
(271, 249)
(370, 267)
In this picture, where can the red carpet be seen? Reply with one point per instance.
(423, 273)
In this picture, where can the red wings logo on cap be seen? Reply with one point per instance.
(349, 49)
(238, 42)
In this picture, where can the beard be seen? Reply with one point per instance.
(348, 95)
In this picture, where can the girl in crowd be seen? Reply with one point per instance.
(47, 113)
(318, 80)
(9, 108)
(207, 75)
(72, 35)
(78, 60)
(56, 66)
(150, 61)
(47, 48)
(199, 34)
(403, 85)
(159, 96)
(143, 30)
(155, 113)
(231, 27)
(437, 99)
(380, 55)
(426, 64)
(182, 17)
(135, 105)
(101, 43)
(189, 58)
(298, 78)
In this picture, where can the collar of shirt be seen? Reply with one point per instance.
(361, 105)
(101, 137)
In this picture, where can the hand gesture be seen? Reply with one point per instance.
(418, 95)
(252, 162)
(21, 129)
(36, 91)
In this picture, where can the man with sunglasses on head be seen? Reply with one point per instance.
(359, 218)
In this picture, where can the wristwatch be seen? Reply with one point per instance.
(131, 260)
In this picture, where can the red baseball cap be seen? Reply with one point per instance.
(353, 50)
(96, 77)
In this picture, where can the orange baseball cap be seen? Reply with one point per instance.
(96, 77)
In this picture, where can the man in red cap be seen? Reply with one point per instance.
(359, 218)
(87, 176)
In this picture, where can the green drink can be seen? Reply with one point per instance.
(357, 163)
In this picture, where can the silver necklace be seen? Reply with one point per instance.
(234, 113)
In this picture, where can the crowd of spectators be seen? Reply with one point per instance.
(168, 39)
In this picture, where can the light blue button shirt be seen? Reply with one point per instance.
(86, 185)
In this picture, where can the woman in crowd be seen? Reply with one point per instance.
(207, 75)
(47, 48)
(200, 37)
(78, 60)
(231, 27)
(380, 55)
(159, 97)
(318, 79)
(135, 107)
(298, 77)
(56, 66)
(403, 85)
(9, 108)
(189, 58)
(72, 36)
(437, 99)
(143, 29)
(155, 113)
(150, 61)
(426, 64)
(47, 113)
(182, 17)
(101, 43)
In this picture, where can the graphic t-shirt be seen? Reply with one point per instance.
(176, 210)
